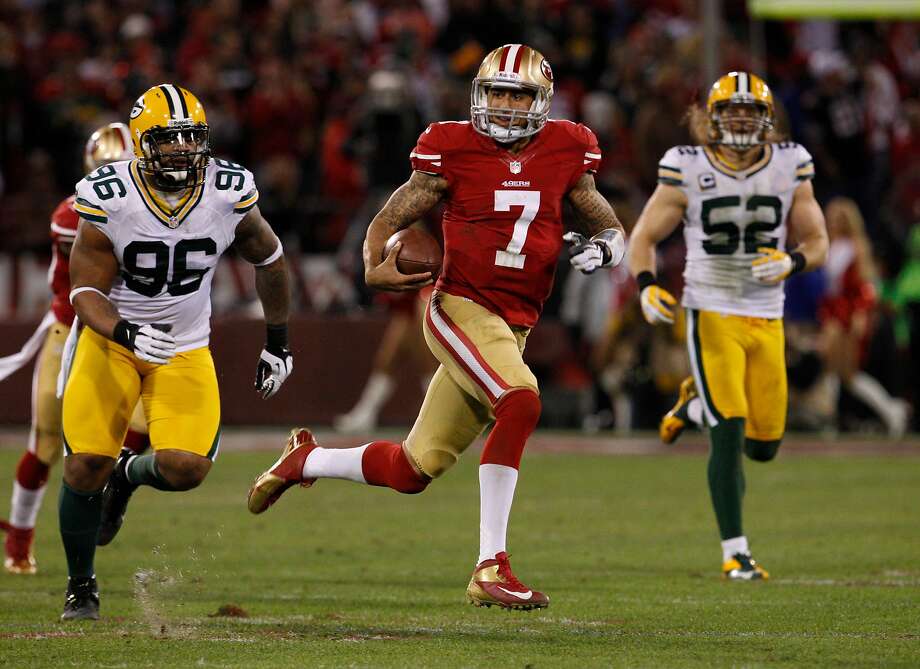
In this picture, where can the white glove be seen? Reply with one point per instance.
(147, 342)
(584, 255)
(657, 304)
(274, 367)
(772, 266)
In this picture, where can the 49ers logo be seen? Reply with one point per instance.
(546, 69)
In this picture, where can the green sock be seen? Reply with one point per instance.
(726, 476)
(142, 470)
(79, 514)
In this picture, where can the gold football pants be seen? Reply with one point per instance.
(739, 365)
(180, 399)
(481, 359)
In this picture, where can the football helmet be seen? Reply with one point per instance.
(732, 127)
(170, 135)
(107, 144)
(517, 67)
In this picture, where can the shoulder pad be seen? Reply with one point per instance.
(673, 163)
(234, 185)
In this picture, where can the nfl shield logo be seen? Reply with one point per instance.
(515, 167)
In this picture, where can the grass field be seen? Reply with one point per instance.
(626, 547)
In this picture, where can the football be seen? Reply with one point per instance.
(420, 251)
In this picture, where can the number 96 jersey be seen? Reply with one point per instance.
(166, 252)
(729, 215)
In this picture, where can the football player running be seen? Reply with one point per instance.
(107, 144)
(151, 233)
(738, 194)
(503, 177)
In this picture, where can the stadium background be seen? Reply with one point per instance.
(324, 100)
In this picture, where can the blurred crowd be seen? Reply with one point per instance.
(323, 100)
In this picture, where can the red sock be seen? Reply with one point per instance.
(137, 441)
(385, 464)
(31, 473)
(516, 416)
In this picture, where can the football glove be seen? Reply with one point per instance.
(772, 266)
(145, 341)
(657, 304)
(275, 365)
(605, 249)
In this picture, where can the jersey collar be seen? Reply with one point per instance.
(746, 173)
(168, 216)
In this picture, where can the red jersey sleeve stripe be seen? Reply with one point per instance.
(464, 352)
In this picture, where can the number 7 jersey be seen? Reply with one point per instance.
(502, 218)
(166, 258)
(729, 215)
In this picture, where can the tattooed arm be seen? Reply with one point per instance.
(407, 204)
(607, 243)
(593, 211)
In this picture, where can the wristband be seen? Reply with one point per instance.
(122, 333)
(276, 336)
(798, 262)
(646, 279)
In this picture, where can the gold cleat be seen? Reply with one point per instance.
(493, 582)
(285, 473)
(742, 567)
(675, 421)
(25, 565)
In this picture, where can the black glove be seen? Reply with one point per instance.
(275, 362)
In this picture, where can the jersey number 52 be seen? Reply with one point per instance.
(731, 230)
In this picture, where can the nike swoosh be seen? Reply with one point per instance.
(519, 595)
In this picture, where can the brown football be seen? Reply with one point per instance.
(420, 251)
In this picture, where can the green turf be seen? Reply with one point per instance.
(342, 575)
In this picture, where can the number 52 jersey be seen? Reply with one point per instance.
(166, 254)
(729, 215)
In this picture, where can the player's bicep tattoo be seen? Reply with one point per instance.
(593, 211)
(412, 200)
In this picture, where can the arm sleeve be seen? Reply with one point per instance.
(804, 165)
(426, 156)
(87, 205)
(670, 169)
(589, 158)
(243, 200)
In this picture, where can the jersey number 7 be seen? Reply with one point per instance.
(530, 201)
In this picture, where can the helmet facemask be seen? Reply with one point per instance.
(738, 130)
(176, 156)
(483, 116)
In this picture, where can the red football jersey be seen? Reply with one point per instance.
(502, 217)
(63, 231)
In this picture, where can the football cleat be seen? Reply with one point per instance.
(676, 420)
(493, 582)
(18, 548)
(115, 499)
(286, 472)
(82, 601)
(742, 567)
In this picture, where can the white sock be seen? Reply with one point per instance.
(734, 545)
(874, 394)
(695, 410)
(24, 506)
(376, 392)
(335, 463)
(496, 492)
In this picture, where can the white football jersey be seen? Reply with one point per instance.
(729, 216)
(166, 260)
